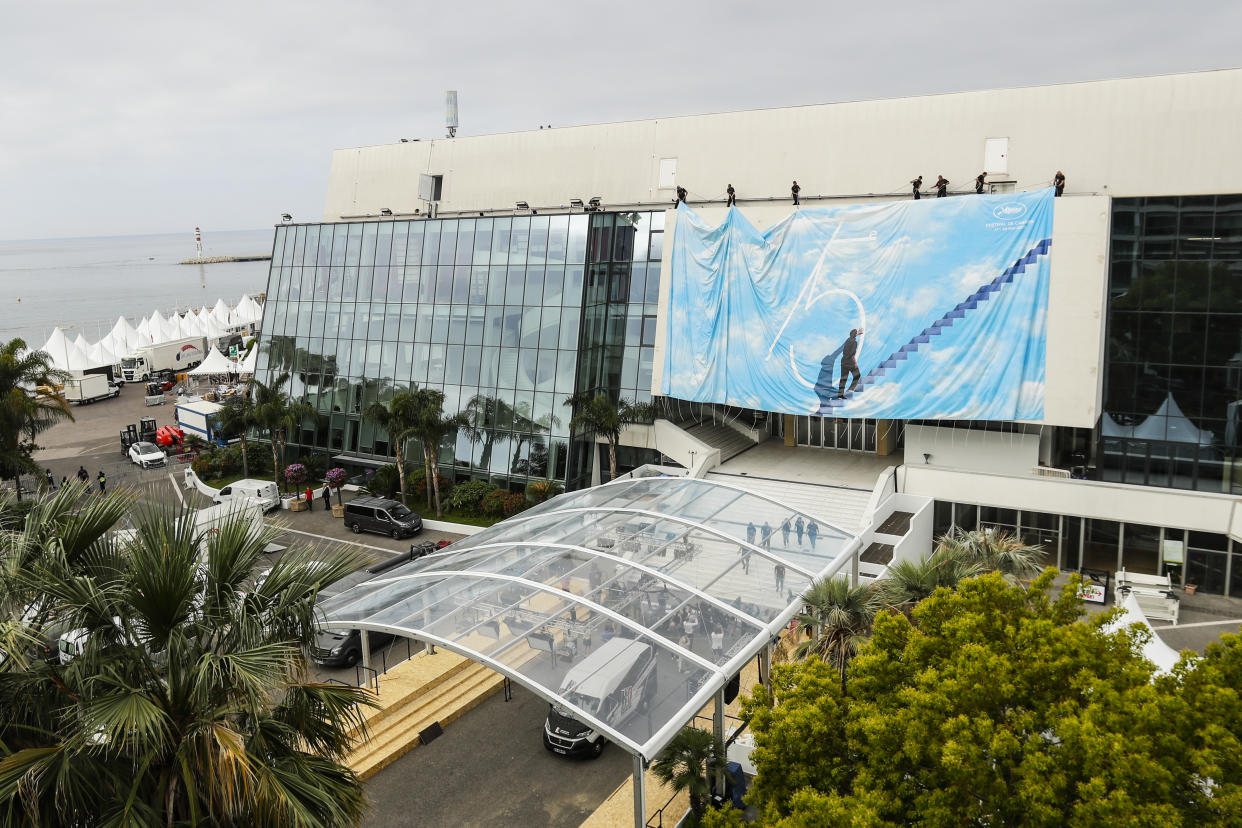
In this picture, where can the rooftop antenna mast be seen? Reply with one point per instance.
(450, 112)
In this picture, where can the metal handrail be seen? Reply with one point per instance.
(374, 682)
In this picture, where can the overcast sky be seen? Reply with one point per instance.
(125, 118)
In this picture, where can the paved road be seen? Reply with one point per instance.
(490, 768)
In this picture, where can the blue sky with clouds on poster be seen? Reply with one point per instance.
(756, 317)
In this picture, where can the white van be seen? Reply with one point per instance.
(263, 493)
(612, 683)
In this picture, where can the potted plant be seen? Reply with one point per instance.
(295, 475)
(335, 478)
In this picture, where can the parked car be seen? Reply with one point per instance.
(263, 493)
(382, 516)
(147, 455)
(335, 648)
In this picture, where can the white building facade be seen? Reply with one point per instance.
(1143, 397)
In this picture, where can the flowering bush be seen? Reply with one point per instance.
(295, 473)
(514, 503)
(336, 477)
(493, 504)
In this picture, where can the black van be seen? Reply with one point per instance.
(382, 516)
(334, 648)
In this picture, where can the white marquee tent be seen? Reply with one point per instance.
(215, 363)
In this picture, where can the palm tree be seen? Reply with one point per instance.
(993, 551)
(908, 582)
(598, 416)
(277, 414)
(431, 426)
(398, 418)
(26, 412)
(186, 700)
(236, 418)
(837, 618)
(687, 764)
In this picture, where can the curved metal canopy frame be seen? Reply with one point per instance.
(530, 598)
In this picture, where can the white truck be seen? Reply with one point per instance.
(177, 355)
(89, 388)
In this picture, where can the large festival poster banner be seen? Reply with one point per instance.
(930, 309)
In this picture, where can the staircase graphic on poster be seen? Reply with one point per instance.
(828, 396)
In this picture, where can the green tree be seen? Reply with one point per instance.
(906, 583)
(996, 705)
(236, 418)
(26, 412)
(597, 416)
(276, 413)
(836, 620)
(688, 763)
(398, 417)
(188, 702)
(431, 426)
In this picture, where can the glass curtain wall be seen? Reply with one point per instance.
(1173, 375)
(619, 321)
(487, 310)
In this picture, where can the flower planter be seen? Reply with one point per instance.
(298, 505)
(338, 511)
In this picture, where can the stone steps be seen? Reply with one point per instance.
(729, 441)
(444, 698)
(835, 505)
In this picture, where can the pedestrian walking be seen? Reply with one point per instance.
(51, 481)
(1058, 181)
(979, 182)
(730, 193)
(688, 626)
(917, 183)
(746, 559)
(942, 186)
(794, 190)
(785, 529)
(103, 482)
(767, 536)
(64, 480)
(750, 532)
(83, 474)
(310, 500)
(779, 572)
(717, 642)
(327, 497)
(812, 532)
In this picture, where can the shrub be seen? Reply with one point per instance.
(493, 504)
(513, 504)
(385, 482)
(537, 491)
(419, 488)
(467, 496)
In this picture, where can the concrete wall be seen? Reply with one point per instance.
(959, 448)
(1197, 511)
(1170, 134)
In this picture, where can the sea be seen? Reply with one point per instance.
(83, 285)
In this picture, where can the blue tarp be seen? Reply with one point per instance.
(949, 295)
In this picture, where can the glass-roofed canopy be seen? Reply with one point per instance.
(663, 561)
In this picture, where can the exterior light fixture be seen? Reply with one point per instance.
(285, 218)
(385, 212)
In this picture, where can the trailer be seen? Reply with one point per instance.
(197, 417)
(89, 388)
(177, 356)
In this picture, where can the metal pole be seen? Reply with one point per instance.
(765, 665)
(640, 793)
(854, 565)
(366, 650)
(718, 730)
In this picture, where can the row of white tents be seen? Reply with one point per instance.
(213, 323)
(217, 364)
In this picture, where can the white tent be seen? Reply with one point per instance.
(1168, 423)
(81, 342)
(124, 336)
(66, 355)
(248, 311)
(143, 329)
(215, 363)
(1155, 650)
(246, 366)
(221, 314)
(102, 355)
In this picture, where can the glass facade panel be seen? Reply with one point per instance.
(487, 310)
(1173, 367)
